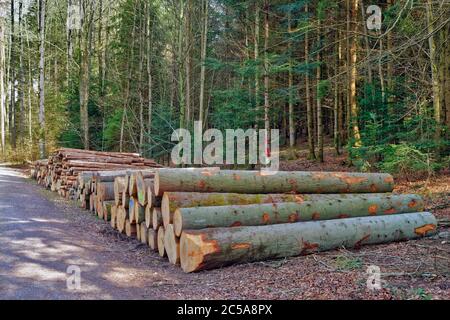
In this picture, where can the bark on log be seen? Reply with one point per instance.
(289, 212)
(217, 247)
(160, 242)
(172, 245)
(238, 181)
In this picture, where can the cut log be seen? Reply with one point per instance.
(130, 228)
(157, 219)
(143, 233)
(125, 200)
(148, 217)
(153, 239)
(161, 249)
(113, 216)
(131, 209)
(238, 181)
(174, 200)
(289, 212)
(119, 188)
(152, 199)
(121, 218)
(139, 212)
(217, 247)
(172, 245)
(144, 182)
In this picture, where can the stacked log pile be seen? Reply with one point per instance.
(212, 218)
(208, 218)
(61, 171)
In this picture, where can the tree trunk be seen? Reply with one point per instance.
(290, 212)
(85, 72)
(188, 45)
(266, 77)
(21, 87)
(256, 53)
(309, 110)
(204, 39)
(42, 79)
(319, 95)
(12, 99)
(434, 69)
(255, 182)
(149, 78)
(290, 88)
(217, 247)
(353, 77)
(2, 88)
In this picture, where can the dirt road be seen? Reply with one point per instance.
(41, 236)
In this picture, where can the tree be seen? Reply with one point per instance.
(42, 149)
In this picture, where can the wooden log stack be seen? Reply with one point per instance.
(61, 171)
(209, 218)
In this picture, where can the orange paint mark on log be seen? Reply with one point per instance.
(293, 217)
(236, 246)
(315, 216)
(236, 177)
(412, 203)
(307, 246)
(422, 231)
(358, 244)
(373, 188)
(202, 184)
(389, 179)
(373, 209)
(349, 179)
(299, 199)
(266, 217)
(236, 224)
(343, 216)
(390, 211)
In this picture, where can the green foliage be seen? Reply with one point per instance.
(393, 140)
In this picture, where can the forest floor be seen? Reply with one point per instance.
(42, 234)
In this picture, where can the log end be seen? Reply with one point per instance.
(177, 223)
(194, 247)
(172, 245)
(161, 249)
